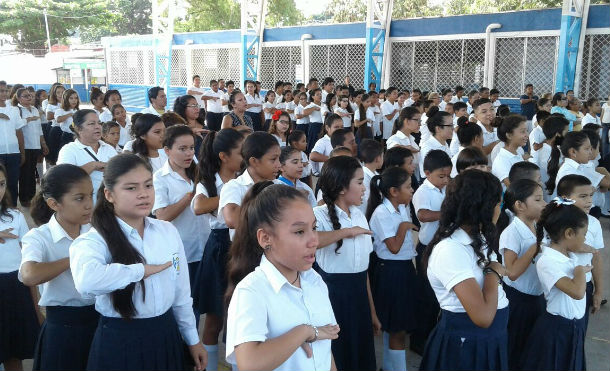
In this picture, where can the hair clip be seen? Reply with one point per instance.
(276, 115)
(559, 201)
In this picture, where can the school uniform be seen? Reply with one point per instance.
(454, 171)
(456, 342)
(424, 132)
(454, 146)
(536, 136)
(541, 158)
(316, 121)
(570, 166)
(590, 119)
(368, 175)
(557, 340)
(394, 289)
(469, 108)
(503, 163)
(325, 110)
(76, 153)
(170, 187)
(400, 139)
(324, 147)
(365, 131)
(67, 332)
(285, 106)
(432, 144)
(198, 97)
(213, 115)
(300, 186)
(488, 137)
(377, 124)
(347, 120)
(10, 154)
(265, 305)
(18, 321)
(150, 109)
(54, 139)
(151, 340)
(302, 123)
(268, 115)
(595, 239)
(345, 273)
(67, 135)
(32, 131)
(105, 116)
(211, 277)
(255, 112)
(386, 109)
(524, 294)
(233, 193)
(498, 147)
(442, 105)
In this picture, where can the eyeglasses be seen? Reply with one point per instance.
(446, 126)
(418, 120)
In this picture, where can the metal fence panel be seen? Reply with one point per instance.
(401, 65)
(126, 67)
(473, 64)
(278, 64)
(216, 64)
(508, 74)
(595, 74)
(178, 68)
(540, 62)
(337, 61)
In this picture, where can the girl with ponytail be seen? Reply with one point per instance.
(136, 269)
(440, 125)
(148, 133)
(548, 157)
(394, 288)
(219, 161)
(62, 209)
(342, 260)
(268, 326)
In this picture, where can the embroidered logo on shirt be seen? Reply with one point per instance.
(176, 262)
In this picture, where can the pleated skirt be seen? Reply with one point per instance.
(210, 283)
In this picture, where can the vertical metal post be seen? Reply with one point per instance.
(46, 25)
(163, 16)
(252, 30)
(378, 23)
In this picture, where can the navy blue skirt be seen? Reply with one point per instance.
(556, 343)
(427, 309)
(257, 125)
(589, 296)
(523, 311)
(54, 143)
(395, 294)
(211, 280)
(137, 344)
(456, 343)
(65, 338)
(313, 132)
(18, 321)
(355, 348)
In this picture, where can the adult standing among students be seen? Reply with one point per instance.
(186, 106)
(528, 104)
(12, 152)
(213, 98)
(197, 91)
(237, 116)
(254, 105)
(158, 101)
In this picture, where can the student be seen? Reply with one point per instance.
(549, 157)
(400, 157)
(557, 340)
(157, 99)
(579, 189)
(287, 104)
(440, 125)
(494, 94)
(302, 120)
(342, 260)
(219, 161)
(344, 138)
(364, 118)
(18, 316)
(485, 116)
(344, 109)
(280, 126)
(395, 279)
(64, 115)
(371, 155)
(88, 150)
(528, 103)
(111, 99)
(119, 115)
(54, 142)
(292, 172)
(525, 170)
(136, 269)
(473, 96)
(605, 119)
(111, 134)
(576, 148)
(96, 97)
(402, 133)
(313, 110)
(197, 91)
(268, 326)
(543, 104)
(328, 105)
(254, 105)
(471, 158)
(269, 108)
(466, 279)
(12, 149)
(513, 133)
(459, 95)
(213, 110)
(592, 117)
(427, 202)
(460, 110)
(519, 251)
(298, 140)
(321, 150)
(447, 96)
(601, 195)
(62, 209)
(536, 136)
(468, 135)
(149, 132)
(376, 109)
(174, 185)
(390, 111)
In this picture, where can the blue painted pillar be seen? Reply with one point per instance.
(571, 37)
(373, 57)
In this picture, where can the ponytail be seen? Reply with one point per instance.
(406, 113)
(554, 127)
(393, 177)
(375, 197)
(559, 215)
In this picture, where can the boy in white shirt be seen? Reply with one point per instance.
(371, 154)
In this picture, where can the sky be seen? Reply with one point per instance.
(311, 7)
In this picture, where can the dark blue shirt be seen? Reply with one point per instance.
(529, 109)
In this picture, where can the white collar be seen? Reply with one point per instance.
(368, 171)
(245, 178)
(274, 276)
(460, 236)
(388, 204)
(129, 230)
(523, 230)
(58, 233)
(429, 185)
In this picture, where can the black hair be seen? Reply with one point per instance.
(104, 220)
(256, 145)
(392, 177)
(556, 218)
(541, 102)
(174, 132)
(470, 201)
(482, 89)
(554, 127)
(541, 117)
(180, 106)
(327, 80)
(262, 206)
(459, 105)
(494, 91)
(470, 156)
(467, 131)
(480, 102)
(335, 177)
(6, 201)
(573, 140)
(437, 159)
(593, 135)
(556, 98)
(109, 94)
(459, 88)
(286, 153)
(389, 90)
(37, 100)
(194, 77)
(508, 124)
(436, 119)
(313, 92)
(230, 82)
(396, 156)
(519, 190)
(295, 136)
(338, 137)
(143, 125)
(566, 185)
(329, 98)
(406, 113)
(55, 183)
(472, 94)
(503, 110)
(133, 119)
(232, 98)
(153, 93)
(522, 170)
(528, 85)
(95, 94)
(209, 164)
(106, 126)
(328, 123)
(370, 149)
(78, 119)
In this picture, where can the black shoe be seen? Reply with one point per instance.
(604, 301)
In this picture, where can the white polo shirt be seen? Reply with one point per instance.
(518, 238)
(74, 153)
(384, 223)
(536, 136)
(369, 115)
(323, 147)
(353, 256)
(105, 116)
(311, 198)
(95, 275)
(254, 100)
(233, 193)
(8, 128)
(50, 243)
(125, 133)
(570, 166)
(388, 125)
(298, 110)
(265, 305)
(10, 250)
(197, 97)
(213, 220)
(488, 136)
(368, 175)
(214, 106)
(170, 187)
(430, 145)
(590, 119)
(453, 261)
(315, 115)
(503, 163)
(285, 106)
(376, 125)
(428, 197)
(51, 108)
(32, 131)
(400, 139)
(593, 238)
(500, 145)
(269, 115)
(151, 109)
(347, 120)
(67, 123)
(551, 267)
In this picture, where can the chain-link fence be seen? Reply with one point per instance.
(178, 68)
(278, 64)
(338, 61)
(125, 67)
(438, 64)
(216, 64)
(595, 73)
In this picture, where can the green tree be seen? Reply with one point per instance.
(283, 13)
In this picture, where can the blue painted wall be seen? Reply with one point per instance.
(83, 94)
(135, 97)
